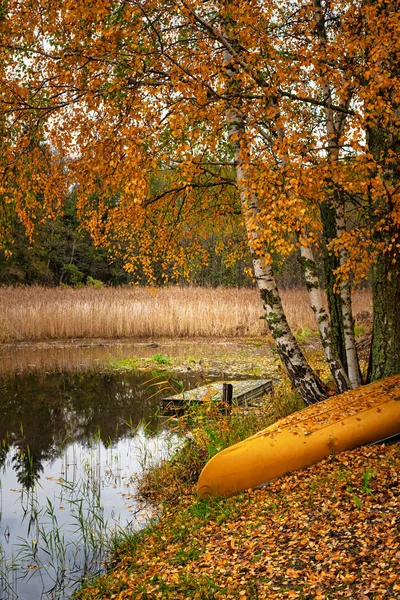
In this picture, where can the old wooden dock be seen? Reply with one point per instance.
(242, 392)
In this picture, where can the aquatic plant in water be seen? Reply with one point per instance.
(55, 552)
(68, 536)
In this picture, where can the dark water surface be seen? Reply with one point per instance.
(70, 443)
(72, 440)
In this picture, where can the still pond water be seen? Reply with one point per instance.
(72, 439)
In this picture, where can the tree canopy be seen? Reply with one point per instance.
(173, 119)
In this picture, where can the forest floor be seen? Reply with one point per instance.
(328, 531)
(331, 530)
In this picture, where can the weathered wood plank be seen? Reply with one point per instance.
(243, 392)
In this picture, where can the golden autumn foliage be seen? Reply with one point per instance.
(133, 101)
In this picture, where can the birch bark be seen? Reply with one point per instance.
(302, 376)
(314, 290)
(333, 134)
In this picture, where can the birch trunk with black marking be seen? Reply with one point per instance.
(314, 290)
(331, 263)
(334, 131)
(353, 368)
(304, 379)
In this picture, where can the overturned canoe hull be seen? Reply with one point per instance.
(366, 415)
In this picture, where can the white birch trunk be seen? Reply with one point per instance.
(314, 290)
(302, 376)
(345, 286)
(347, 310)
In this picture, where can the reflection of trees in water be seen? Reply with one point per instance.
(43, 413)
(4, 448)
(27, 466)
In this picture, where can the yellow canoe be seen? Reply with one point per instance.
(368, 414)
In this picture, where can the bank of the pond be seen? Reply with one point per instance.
(328, 531)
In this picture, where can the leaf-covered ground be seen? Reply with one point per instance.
(329, 531)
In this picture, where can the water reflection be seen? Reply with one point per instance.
(70, 443)
(63, 429)
(59, 531)
(41, 413)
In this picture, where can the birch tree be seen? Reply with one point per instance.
(166, 118)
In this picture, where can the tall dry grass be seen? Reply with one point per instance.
(39, 313)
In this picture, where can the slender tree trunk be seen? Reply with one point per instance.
(314, 290)
(301, 375)
(385, 355)
(353, 368)
(334, 132)
(310, 271)
(331, 262)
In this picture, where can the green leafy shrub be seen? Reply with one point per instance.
(95, 283)
(72, 275)
(161, 359)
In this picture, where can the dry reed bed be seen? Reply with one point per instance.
(39, 313)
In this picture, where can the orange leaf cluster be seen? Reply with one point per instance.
(133, 105)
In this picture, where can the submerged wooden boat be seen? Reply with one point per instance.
(363, 416)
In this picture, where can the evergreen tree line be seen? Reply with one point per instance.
(61, 253)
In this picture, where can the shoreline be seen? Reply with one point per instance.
(326, 531)
(140, 341)
(252, 356)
